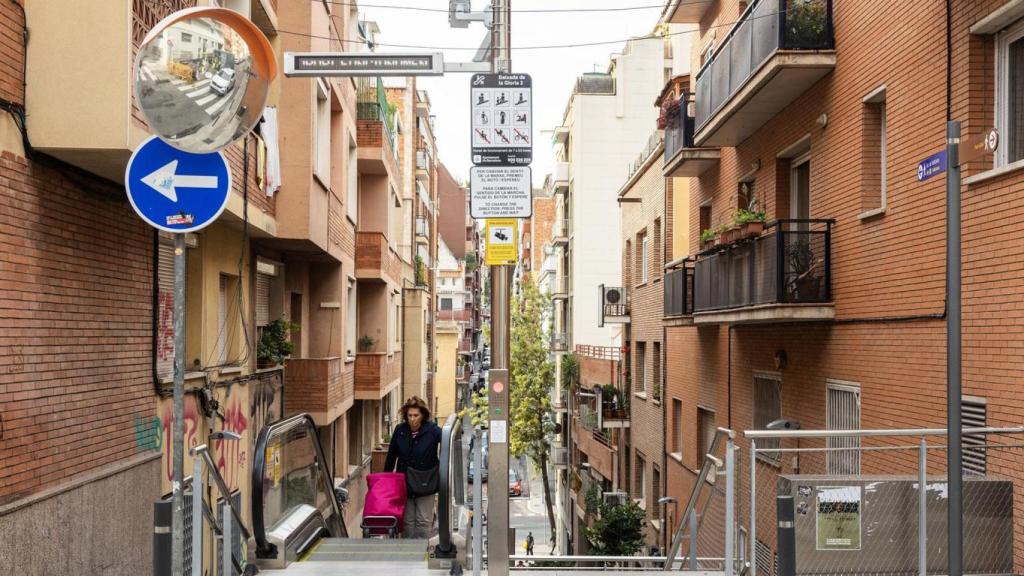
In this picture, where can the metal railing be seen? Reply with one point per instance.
(451, 487)
(653, 141)
(875, 501)
(678, 295)
(230, 517)
(372, 104)
(421, 159)
(559, 341)
(765, 27)
(791, 263)
(619, 308)
(561, 230)
(599, 352)
(421, 226)
(679, 132)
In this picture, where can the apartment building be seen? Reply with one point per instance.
(834, 316)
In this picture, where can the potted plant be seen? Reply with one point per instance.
(707, 238)
(275, 344)
(750, 220)
(804, 285)
(366, 343)
(724, 232)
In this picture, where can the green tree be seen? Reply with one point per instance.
(532, 377)
(618, 530)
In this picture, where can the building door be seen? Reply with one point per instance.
(842, 412)
(296, 317)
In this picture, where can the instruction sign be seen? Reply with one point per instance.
(501, 242)
(500, 192)
(502, 119)
(837, 517)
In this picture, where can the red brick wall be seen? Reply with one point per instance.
(76, 274)
(12, 46)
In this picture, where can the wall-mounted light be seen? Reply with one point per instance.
(822, 120)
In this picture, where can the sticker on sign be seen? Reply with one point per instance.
(500, 192)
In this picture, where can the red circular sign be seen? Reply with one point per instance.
(498, 387)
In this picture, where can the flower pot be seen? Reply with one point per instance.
(752, 229)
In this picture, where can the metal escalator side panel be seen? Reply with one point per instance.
(448, 471)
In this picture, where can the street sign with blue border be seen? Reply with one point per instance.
(177, 191)
(930, 166)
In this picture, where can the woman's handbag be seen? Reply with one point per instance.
(421, 482)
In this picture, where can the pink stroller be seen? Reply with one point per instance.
(384, 509)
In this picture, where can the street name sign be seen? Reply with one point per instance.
(321, 64)
(501, 241)
(501, 119)
(500, 192)
(932, 165)
(177, 191)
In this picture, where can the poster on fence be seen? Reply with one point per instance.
(837, 517)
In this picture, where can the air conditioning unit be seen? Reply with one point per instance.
(613, 296)
(617, 498)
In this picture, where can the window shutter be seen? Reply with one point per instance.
(973, 413)
(165, 311)
(262, 299)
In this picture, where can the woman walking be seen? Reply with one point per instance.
(413, 451)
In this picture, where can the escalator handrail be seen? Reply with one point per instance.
(259, 466)
(447, 470)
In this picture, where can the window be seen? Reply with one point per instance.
(227, 319)
(353, 179)
(322, 134)
(186, 37)
(706, 53)
(973, 412)
(657, 249)
(655, 494)
(446, 303)
(873, 152)
(397, 315)
(705, 433)
(744, 194)
(705, 218)
(1010, 93)
(644, 246)
(842, 412)
(656, 372)
(165, 296)
(640, 487)
(640, 370)
(767, 407)
(627, 264)
(350, 321)
(677, 428)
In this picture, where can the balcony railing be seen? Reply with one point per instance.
(560, 287)
(374, 258)
(615, 304)
(559, 342)
(421, 226)
(679, 290)
(377, 374)
(561, 230)
(463, 315)
(372, 104)
(790, 264)
(421, 160)
(599, 352)
(679, 133)
(318, 386)
(765, 27)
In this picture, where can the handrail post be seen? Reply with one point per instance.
(730, 504)
(922, 508)
(198, 493)
(692, 559)
(753, 507)
(227, 534)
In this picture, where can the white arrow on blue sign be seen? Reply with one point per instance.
(177, 191)
(932, 165)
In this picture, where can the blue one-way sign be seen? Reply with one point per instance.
(932, 165)
(177, 191)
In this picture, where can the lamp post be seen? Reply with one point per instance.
(671, 515)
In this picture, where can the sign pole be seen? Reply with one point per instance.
(177, 494)
(953, 387)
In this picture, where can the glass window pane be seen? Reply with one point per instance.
(1015, 108)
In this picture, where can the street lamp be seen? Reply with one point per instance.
(671, 514)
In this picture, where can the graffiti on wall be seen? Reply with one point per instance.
(148, 433)
(265, 401)
(232, 454)
(165, 330)
(192, 423)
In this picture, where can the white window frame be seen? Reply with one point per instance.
(351, 319)
(640, 469)
(834, 461)
(1003, 40)
(877, 97)
(352, 210)
(322, 133)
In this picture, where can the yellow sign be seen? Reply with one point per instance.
(502, 241)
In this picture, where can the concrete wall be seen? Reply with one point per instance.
(451, 218)
(103, 524)
(447, 356)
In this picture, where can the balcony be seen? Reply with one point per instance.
(559, 341)
(597, 446)
(375, 259)
(318, 386)
(687, 11)
(678, 295)
(560, 181)
(615, 304)
(560, 457)
(422, 104)
(560, 401)
(422, 230)
(682, 158)
(773, 54)
(784, 275)
(375, 129)
(463, 315)
(422, 165)
(561, 232)
(377, 374)
(560, 288)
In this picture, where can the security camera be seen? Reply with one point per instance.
(783, 425)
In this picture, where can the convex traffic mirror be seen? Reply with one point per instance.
(202, 77)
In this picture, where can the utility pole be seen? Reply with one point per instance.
(501, 288)
(953, 387)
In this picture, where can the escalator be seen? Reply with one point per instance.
(296, 512)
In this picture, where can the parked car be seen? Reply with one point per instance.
(515, 484)
(222, 81)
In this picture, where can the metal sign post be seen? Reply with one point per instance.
(953, 392)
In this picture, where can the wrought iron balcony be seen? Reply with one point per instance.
(783, 275)
(559, 341)
(775, 52)
(615, 304)
(679, 290)
(682, 157)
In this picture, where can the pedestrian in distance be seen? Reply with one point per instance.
(529, 544)
(414, 452)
